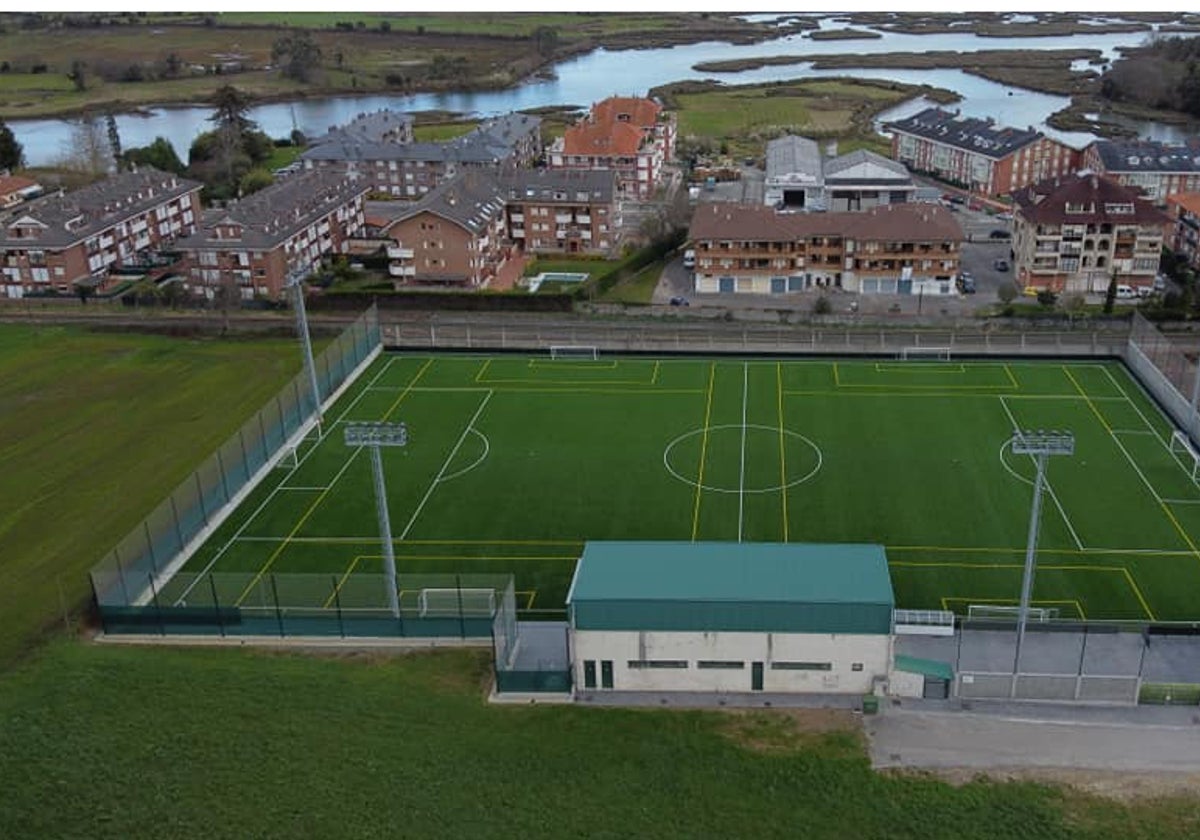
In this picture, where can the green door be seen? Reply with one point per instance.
(606, 673)
(589, 673)
(756, 676)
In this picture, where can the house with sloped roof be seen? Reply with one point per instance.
(14, 189)
(1076, 233)
(1158, 169)
(631, 136)
(1184, 210)
(977, 154)
(799, 177)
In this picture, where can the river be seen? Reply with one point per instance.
(601, 73)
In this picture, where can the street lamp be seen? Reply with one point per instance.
(1040, 444)
(375, 436)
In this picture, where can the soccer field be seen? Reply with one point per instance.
(513, 462)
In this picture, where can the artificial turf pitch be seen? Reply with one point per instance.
(513, 462)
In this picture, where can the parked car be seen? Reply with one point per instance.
(999, 233)
(966, 283)
(679, 301)
(689, 259)
(1000, 265)
(1125, 292)
(1160, 283)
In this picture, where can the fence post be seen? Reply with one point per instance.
(462, 624)
(149, 544)
(279, 613)
(212, 586)
(337, 605)
(245, 456)
(96, 601)
(175, 516)
(224, 480)
(200, 496)
(162, 627)
(262, 430)
(1082, 656)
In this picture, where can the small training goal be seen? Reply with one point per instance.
(455, 603)
(1009, 612)
(918, 354)
(1191, 459)
(574, 351)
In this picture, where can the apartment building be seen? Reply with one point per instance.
(631, 136)
(382, 154)
(977, 154)
(1184, 211)
(454, 236)
(1074, 234)
(259, 243)
(51, 243)
(14, 189)
(895, 249)
(562, 211)
(1158, 169)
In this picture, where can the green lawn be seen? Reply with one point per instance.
(95, 429)
(111, 742)
(440, 132)
(638, 289)
(282, 156)
(514, 462)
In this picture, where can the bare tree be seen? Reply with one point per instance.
(87, 150)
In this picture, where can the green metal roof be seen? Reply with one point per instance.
(766, 587)
(721, 571)
(927, 667)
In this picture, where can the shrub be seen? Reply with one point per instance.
(822, 306)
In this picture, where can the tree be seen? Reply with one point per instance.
(254, 180)
(1110, 296)
(160, 154)
(545, 40)
(298, 55)
(78, 75)
(114, 140)
(1007, 293)
(230, 107)
(87, 149)
(172, 65)
(12, 153)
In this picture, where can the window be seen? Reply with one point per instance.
(589, 673)
(856, 666)
(636, 664)
(720, 665)
(801, 666)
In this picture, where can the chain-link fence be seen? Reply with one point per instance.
(1166, 371)
(231, 604)
(155, 549)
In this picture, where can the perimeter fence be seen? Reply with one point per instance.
(148, 556)
(1166, 371)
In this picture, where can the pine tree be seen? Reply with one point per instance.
(12, 153)
(114, 140)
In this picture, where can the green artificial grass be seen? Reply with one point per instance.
(95, 430)
(110, 742)
(513, 462)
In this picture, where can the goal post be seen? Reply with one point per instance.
(935, 354)
(1180, 443)
(585, 352)
(1008, 612)
(455, 603)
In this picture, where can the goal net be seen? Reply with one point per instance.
(1011, 613)
(574, 351)
(937, 354)
(453, 603)
(1185, 454)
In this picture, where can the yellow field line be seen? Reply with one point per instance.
(1138, 593)
(837, 381)
(654, 376)
(316, 502)
(931, 393)
(479, 376)
(1124, 552)
(1011, 378)
(782, 462)
(337, 589)
(712, 375)
(532, 593)
(1041, 567)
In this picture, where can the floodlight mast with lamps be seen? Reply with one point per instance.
(296, 285)
(1040, 444)
(375, 436)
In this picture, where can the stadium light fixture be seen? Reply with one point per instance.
(296, 285)
(1040, 444)
(375, 436)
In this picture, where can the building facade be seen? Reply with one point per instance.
(631, 136)
(1184, 210)
(259, 243)
(14, 189)
(976, 154)
(895, 249)
(1158, 169)
(55, 242)
(730, 617)
(1075, 234)
(390, 163)
(562, 211)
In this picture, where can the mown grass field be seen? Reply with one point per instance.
(95, 429)
(109, 742)
(513, 462)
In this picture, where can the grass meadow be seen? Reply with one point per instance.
(95, 429)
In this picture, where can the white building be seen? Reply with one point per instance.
(799, 178)
(795, 178)
(730, 617)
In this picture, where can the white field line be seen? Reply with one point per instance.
(1129, 399)
(742, 470)
(294, 487)
(446, 465)
(1049, 489)
(291, 472)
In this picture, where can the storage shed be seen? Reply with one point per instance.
(730, 617)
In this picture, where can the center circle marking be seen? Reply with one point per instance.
(774, 430)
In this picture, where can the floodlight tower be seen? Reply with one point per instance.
(1041, 445)
(296, 285)
(375, 436)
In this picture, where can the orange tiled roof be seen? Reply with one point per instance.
(642, 112)
(616, 139)
(13, 183)
(1188, 201)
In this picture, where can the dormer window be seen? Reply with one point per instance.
(1123, 208)
(1077, 207)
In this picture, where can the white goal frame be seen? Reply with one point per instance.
(586, 352)
(1181, 443)
(936, 354)
(1038, 615)
(435, 602)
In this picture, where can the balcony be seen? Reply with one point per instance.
(517, 218)
(402, 270)
(399, 253)
(583, 219)
(562, 218)
(518, 233)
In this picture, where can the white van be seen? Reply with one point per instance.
(1125, 292)
(689, 259)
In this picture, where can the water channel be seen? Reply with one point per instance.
(601, 73)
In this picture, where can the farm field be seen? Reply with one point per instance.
(513, 462)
